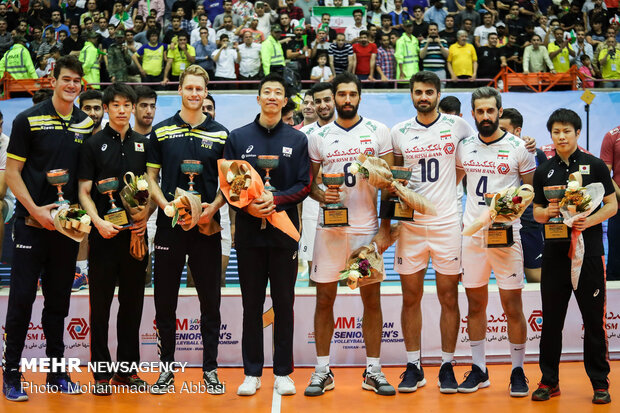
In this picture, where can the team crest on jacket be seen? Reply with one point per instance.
(503, 168)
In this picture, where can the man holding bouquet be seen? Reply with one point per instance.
(111, 153)
(556, 285)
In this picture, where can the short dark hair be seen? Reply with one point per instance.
(152, 32)
(118, 89)
(563, 115)
(360, 11)
(486, 92)
(346, 77)
(289, 107)
(425, 76)
(364, 33)
(417, 8)
(450, 105)
(386, 16)
(210, 97)
(319, 87)
(272, 77)
(433, 24)
(41, 95)
(90, 94)
(145, 92)
(514, 116)
(68, 62)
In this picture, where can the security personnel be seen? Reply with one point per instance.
(188, 135)
(271, 53)
(89, 56)
(17, 61)
(406, 53)
(269, 254)
(556, 286)
(112, 152)
(44, 137)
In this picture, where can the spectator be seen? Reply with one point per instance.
(17, 61)
(293, 11)
(10, 17)
(462, 59)
(515, 22)
(271, 54)
(225, 58)
(189, 6)
(597, 34)
(179, 56)
(306, 6)
(265, 18)
(213, 8)
(341, 56)
(249, 63)
(57, 23)
(365, 57)
(298, 53)
(119, 59)
(375, 10)
(146, 6)
(37, 15)
(321, 72)
(469, 29)
(352, 33)
(573, 18)
(151, 24)
(481, 34)
(42, 69)
(489, 59)
(386, 26)
(599, 12)
(103, 29)
(6, 39)
(74, 43)
(35, 41)
(204, 49)
(203, 23)
(120, 17)
(72, 11)
(420, 27)
(560, 51)
(449, 33)
(219, 20)
(257, 35)
(581, 47)
(285, 23)
(536, 57)
(406, 53)
(91, 7)
(227, 29)
(587, 69)
(512, 54)
(50, 41)
(243, 9)
(410, 4)
(468, 13)
(549, 37)
(174, 31)
(434, 52)
(436, 14)
(609, 62)
(325, 20)
(186, 24)
(386, 62)
(320, 43)
(398, 15)
(89, 57)
(541, 29)
(150, 58)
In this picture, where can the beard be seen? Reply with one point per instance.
(430, 108)
(487, 128)
(347, 111)
(330, 114)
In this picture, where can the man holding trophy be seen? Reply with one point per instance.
(44, 138)
(105, 159)
(186, 148)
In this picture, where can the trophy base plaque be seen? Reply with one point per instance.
(499, 236)
(335, 217)
(117, 218)
(393, 209)
(556, 231)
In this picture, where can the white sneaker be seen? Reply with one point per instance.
(284, 385)
(249, 386)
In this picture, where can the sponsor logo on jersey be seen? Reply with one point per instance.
(414, 138)
(370, 126)
(445, 134)
(249, 149)
(503, 168)
(502, 154)
(104, 147)
(369, 152)
(584, 169)
(449, 148)
(550, 173)
(335, 142)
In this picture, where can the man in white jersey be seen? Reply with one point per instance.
(493, 160)
(427, 145)
(335, 147)
(323, 101)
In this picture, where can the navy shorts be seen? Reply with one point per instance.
(533, 244)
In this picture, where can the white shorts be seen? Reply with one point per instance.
(506, 263)
(225, 224)
(151, 227)
(442, 242)
(332, 248)
(309, 219)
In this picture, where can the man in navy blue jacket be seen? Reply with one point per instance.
(269, 254)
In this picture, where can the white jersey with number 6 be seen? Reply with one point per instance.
(430, 152)
(490, 168)
(336, 148)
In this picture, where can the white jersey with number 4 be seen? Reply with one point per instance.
(336, 149)
(491, 168)
(430, 152)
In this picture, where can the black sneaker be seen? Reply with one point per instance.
(544, 392)
(601, 396)
(132, 381)
(518, 383)
(412, 378)
(474, 380)
(163, 383)
(213, 383)
(447, 381)
(322, 380)
(63, 383)
(375, 380)
(102, 387)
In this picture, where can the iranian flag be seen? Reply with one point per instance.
(503, 154)
(341, 17)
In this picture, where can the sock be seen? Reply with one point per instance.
(517, 354)
(413, 357)
(478, 355)
(322, 361)
(446, 357)
(372, 361)
(83, 264)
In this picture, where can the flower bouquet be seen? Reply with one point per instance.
(135, 197)
(579, 202)
(241, 184)
(72, 222)
(364, 267)
(185, 209)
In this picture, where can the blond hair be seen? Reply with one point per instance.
(196, 71)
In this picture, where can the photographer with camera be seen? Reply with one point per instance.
(609, 62)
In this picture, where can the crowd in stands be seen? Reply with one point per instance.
(378, 40)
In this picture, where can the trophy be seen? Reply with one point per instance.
(58, 178)
(499, 235)
(115, 215)
(192, 168)
(395, 209)
(555, 229)
(268, 162)
(335, 215)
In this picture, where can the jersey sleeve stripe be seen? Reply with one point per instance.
(12, 156)
(528, 171)
(385, 152)
(315, 160)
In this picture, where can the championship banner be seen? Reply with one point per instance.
(341, 17)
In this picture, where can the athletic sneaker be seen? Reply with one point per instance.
(213, 383)
(284, 385)
(102, 387)
(163, 383)
(412, 378)
(80, 282)
(447, 382)
(132, 381)
(375, 380)
(601, 396)
(544, 392)
(322, 380)
(518, 383)
(63, 382)
(12, 387)
(249, 386)
(474, 380)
